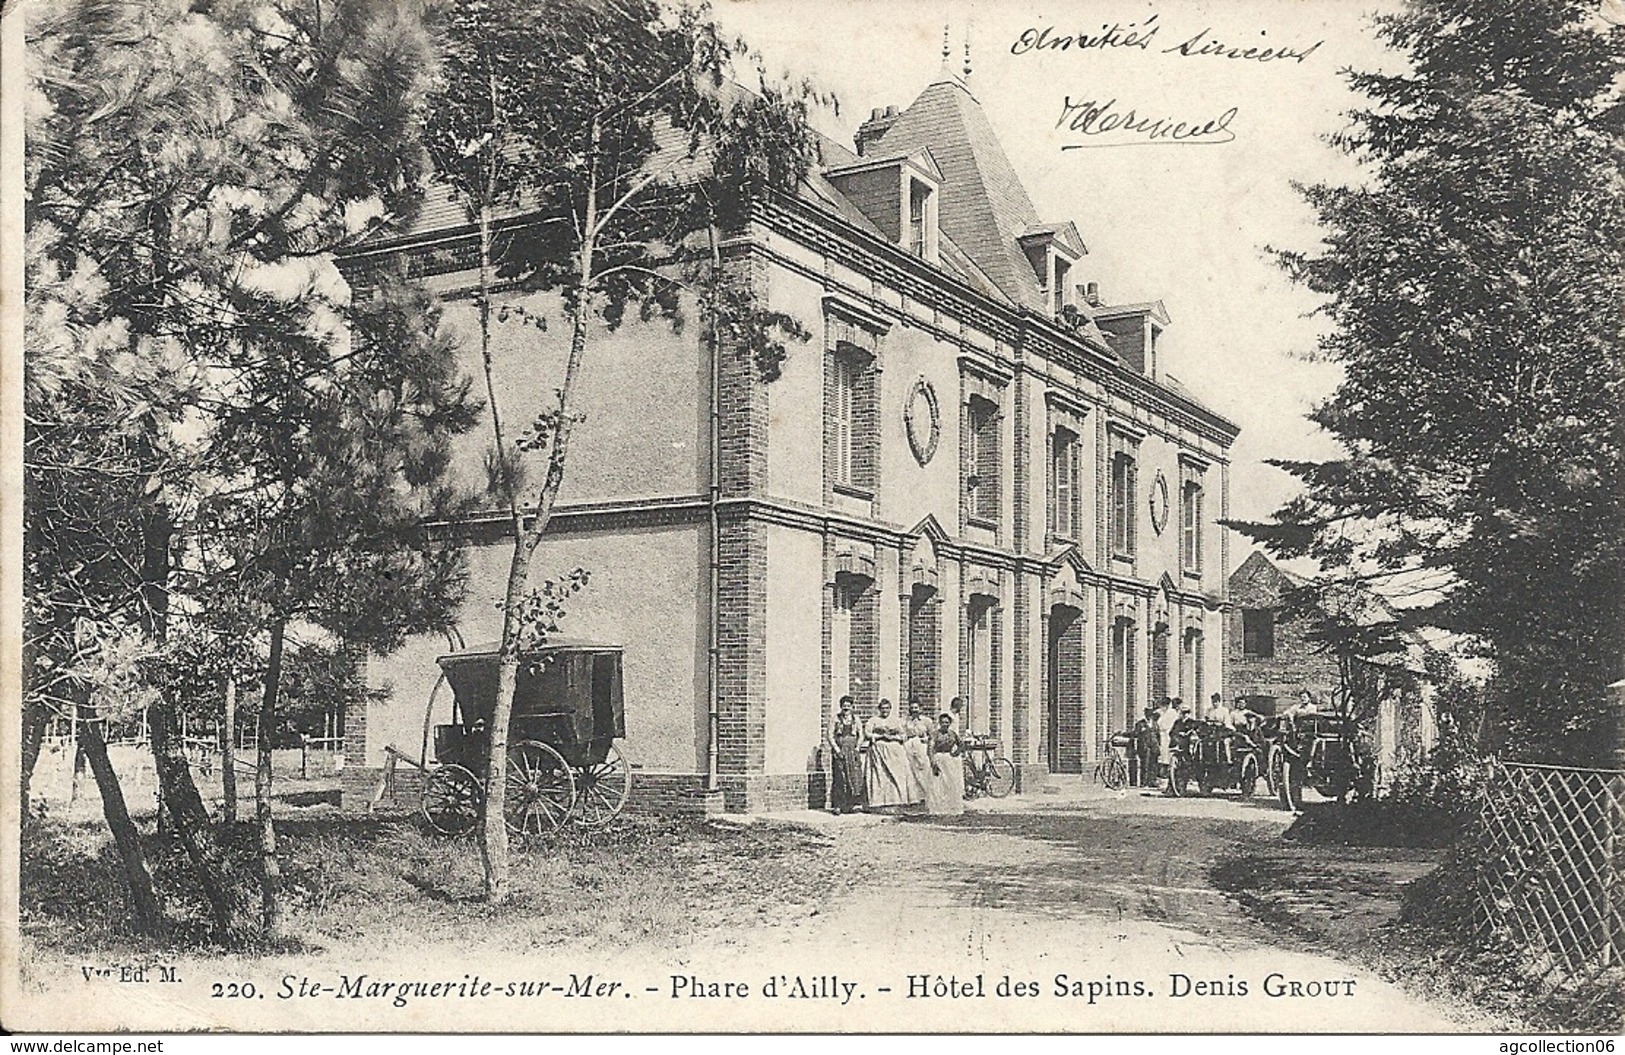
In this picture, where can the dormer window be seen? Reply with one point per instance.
(1052, 249)
(898, 194)
(1060, 269)
(1134, 332)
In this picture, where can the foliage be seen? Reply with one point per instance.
(1473, 284)
(225, 435)
(194, 356)
(1368, 638)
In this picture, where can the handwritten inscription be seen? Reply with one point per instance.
(1202, 44)
(1116, 35)
(1139, 36)
(1108, 124)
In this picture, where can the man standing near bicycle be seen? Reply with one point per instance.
(1143, 752)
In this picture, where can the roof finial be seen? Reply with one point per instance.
(967, 51)
(945, 49)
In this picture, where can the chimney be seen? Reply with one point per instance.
(1091, 294)
(880, 119)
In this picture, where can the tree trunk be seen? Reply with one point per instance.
(177, 793)
(146, 913)
(190, 821)
(35, 718)
(270, 873)
(76, 752)
(228, 757)
(493, 832)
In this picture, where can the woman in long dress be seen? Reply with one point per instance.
(945, 795)
(846, 775)
(917, 732)
(887, 780)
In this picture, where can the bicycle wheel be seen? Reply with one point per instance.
(1001, 778)
(1114, 773)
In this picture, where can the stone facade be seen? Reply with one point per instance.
(919, 506)
(1291, 663)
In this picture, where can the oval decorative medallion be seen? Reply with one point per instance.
(1159, 503)
(922, 420)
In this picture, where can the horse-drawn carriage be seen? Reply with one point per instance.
(1214, 755)
(563, 764)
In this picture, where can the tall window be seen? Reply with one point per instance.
(1257, 633)
(1063, 272)
(982, 459)
(1064, 474)
(847, 376)
(1123, 485)
(919, 219)
(1191, 526)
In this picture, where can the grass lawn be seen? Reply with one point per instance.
(387, 882)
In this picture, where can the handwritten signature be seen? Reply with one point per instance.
(1123, 128)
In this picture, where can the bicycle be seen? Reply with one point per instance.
(1112, 770)
(985, 772)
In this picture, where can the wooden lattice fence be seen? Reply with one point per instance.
(1551, 846)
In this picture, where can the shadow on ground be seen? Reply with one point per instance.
(1088, 862)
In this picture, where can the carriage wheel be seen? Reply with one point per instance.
(1249, 776)
(451, 800)
(1291, 783)
(602, 789)
(540, 791)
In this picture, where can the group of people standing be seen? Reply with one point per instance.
(1149, 739)
(893, 763)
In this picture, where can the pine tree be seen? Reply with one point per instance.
(267, 443)
(1474, 287)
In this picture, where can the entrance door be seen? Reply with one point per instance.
(840, 643)
(1190, 673)
(1159, 665)
(1065, 733)
(979, 645)
(924, 650)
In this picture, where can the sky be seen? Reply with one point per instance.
(1189, 224)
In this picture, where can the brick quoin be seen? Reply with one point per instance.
(741, 653)
(1021, 705)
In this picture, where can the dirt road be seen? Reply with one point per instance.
(1082, 911)
(1110, 897)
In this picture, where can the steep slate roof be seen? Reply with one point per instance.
(983, 211)
(984, 207)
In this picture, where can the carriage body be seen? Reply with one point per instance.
(563, 762)
(567, 695)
